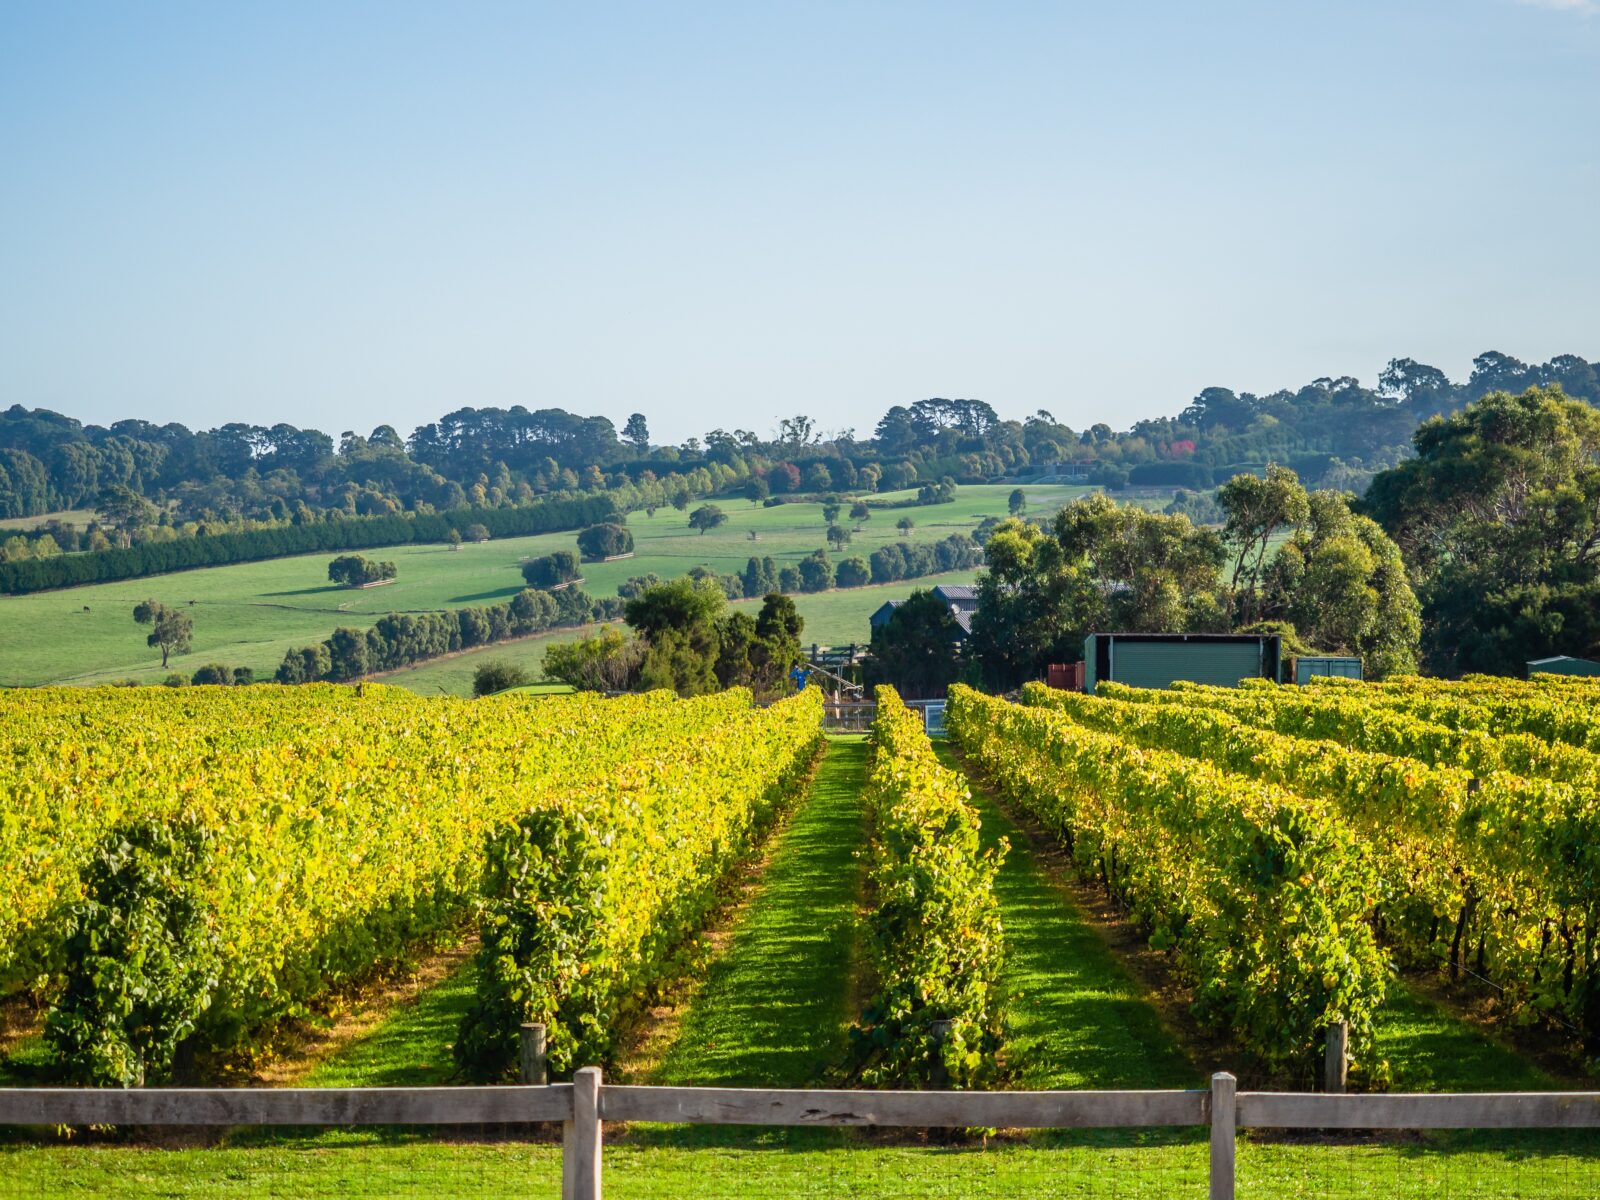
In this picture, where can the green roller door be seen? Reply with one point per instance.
(1160, 664)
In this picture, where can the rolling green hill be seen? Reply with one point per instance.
(248, 614)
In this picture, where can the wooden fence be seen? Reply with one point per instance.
(585, 1105)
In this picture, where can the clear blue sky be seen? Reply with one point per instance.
(341, 214)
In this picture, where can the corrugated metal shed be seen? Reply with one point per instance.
(1158, 660)
(1310, 666)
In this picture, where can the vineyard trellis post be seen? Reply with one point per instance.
(1224, 1126)
(531, 1054)
(1336, 1065)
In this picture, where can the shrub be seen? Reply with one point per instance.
(552, 569)
(141, 957)
(497, 676)
(604, 541)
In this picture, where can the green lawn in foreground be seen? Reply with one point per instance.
(1075, 1018)
(248, 614)
(775, 1010)
(757, 1163)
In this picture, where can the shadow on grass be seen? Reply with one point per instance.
(310, 591)
(504, 593)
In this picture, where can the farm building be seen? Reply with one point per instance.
(1307, 667)
(1563, 664)
(962, 599)
(1158, 660)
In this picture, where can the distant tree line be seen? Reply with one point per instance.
(816, 572)
(1333, 431)
(403, 639)
(355, 533)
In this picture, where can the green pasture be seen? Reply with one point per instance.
(248, 614)
(71, 516)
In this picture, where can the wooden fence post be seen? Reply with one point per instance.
(1336, 1065)
(531, 1056)
(1224, 1119)
(580, 1139)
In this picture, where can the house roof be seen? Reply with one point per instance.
(954, 593)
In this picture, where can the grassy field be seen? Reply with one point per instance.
(79, 517)
(776, 1007)
(250, 613)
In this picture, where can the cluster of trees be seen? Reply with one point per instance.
(401, 639)
(1335, 578)
(684, 637)
(355, 533)
(607, 540)
(916, 651)
(355, 570)
(1498, 515)
(816, 572)
(553, 570)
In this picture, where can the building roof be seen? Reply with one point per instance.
(957, 593)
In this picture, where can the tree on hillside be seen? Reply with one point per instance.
(757, 489)
(454, 538)
(1257, 510)
(604, 662)
(497, 676)
(679, 622)
(831, 511)
(477, 534)
(550, 570)
(915, 650)
(171, 629)
(123, 509)
(1016, 502)
(838, 536)
(861, 511)
(354, 570)
(1341, 583)
(707, 516)
(604, 541)
(816, 572)
(905, 525)
(1498, 517)
(637, 434)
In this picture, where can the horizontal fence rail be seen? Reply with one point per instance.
(584, 1105)
(285, 1106)
(1491, 1110)
(1002, 1110)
